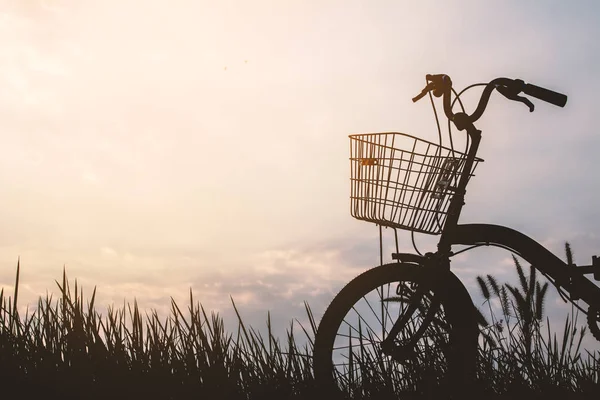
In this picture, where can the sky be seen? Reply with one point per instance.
(150, 147)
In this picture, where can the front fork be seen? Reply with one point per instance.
(404, 351)
(401, 352)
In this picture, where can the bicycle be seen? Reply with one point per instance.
(427, 334)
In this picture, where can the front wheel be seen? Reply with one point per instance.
(348, 353)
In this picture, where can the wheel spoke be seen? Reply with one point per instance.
(353, 328)
(373, 311)
(355, 349)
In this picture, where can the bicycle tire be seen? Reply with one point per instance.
(593, 318)
(461, 350)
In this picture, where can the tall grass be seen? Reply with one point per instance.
(64, 348)
(519, 354)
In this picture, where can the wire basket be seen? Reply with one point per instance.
(404, 182)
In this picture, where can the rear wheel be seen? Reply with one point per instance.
(593, 319)
(349, 356)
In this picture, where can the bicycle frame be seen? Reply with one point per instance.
(458, 200)
(566, 276)
(486, 234)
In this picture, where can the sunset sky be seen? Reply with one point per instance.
(156, 146)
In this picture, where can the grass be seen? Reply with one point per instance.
(65, 349)
(519, 354)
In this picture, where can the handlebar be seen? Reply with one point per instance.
(549, 96)
(441, 85)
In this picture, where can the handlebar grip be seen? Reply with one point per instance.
(558, 99)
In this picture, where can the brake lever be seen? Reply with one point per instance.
(513, 96)
(525, 101)
(427, 89)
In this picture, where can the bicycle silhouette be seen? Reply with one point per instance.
(410, 325)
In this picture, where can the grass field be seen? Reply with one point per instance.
(65, 349)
